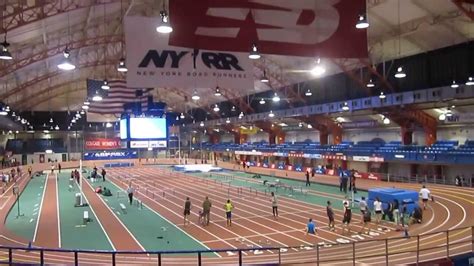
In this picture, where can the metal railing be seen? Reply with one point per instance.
(406, 249)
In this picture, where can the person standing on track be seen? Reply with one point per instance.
(274, 206)
(363, 207)
(130, 191)
(59, 168)
(228, 207)
(206, 211)
(187, 210)
(330, 214)
(30, 171)
(103, 173)
(308, 183)
(378, 210)
(425, 195)
(346, 220)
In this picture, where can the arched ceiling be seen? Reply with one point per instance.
(38, 33)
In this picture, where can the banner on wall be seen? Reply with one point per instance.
(102, 143)
(110, 155)
(148, 144)
(152, 62)
(460, 118)
(360, 124)
(303, 28)
(367, 159)
(248, 131)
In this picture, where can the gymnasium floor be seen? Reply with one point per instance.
(50, 219)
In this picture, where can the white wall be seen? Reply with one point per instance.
(294, 136)
(356, 135)
(358, 166)
(399, 169)
(450, 172)
(460, 134)
(258, 137)
(227, 138)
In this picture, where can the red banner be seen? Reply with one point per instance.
(370, 176)
(102, 144)
(324, 28)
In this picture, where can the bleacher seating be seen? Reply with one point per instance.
(18, 146)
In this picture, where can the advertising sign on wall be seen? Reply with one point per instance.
(109, 155)
(148, 144)
(102, 143)
(152, 62)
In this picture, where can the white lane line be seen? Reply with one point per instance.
(108, 208)
(40, 208)
(57, 210)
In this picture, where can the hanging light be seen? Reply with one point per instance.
(78, 115)
(216, 108)
(271, 114)
(82, 112)
(309, 126)
(308, 93)
(442, 117)
(300, 124)
(46, 131)
(262, 101)
(254, 54)
(201, 124)
(227, 120)
(318, 69)
(449, 113)
(108, 125)
(66, 64)
(68, 127)
(276, 98)
(345, 107)
(56, 127)
(73, 120)
(49, 151)
(4, 53)
(165, 26)
(386, 120)
(370, 84)
(51, 128)
(105, 85)
(454, 85)
(217, 92)
(13, 114)
(23, 121)
(181, 116)
(121, 67)
(264, 78)
(7, 108)
(382, 95)
(470, 81)
(97, 97)
(362, 22)
(195, 96)
(3, 111)
(241, 115)
(85, 107)
(177, 118)
(86, 102)
(400, 74)
(51, 120)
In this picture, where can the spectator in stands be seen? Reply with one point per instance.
(103, 174)
(308, 183)
(30, 171)
(130, 191)
(425, 195)
(274, 206)
(346, 220)
(59, 168)
(187, 210)
(206, 210)
(228, 207)
(330, 214)
(310, 227)
(378, 210)
(363, 207)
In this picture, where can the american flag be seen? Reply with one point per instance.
(114, 99)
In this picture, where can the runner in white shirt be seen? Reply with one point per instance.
(425, 195)
(378, 210)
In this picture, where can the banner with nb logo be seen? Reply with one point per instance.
(311, 28)
(152, 62)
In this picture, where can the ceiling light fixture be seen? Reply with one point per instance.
(264, 78)
(227, 120)
(309, 126)
(165, 25)
(108, 125)
(318, 70)
(449, 113)
(49, 151)
(51, 120)
(82, 112)
(3, 111)
(442, 117)
(201, 124)
(121, 67)
(254, 54)
(345, 107)
(85, 107)
(386, 121)
(97, 97)
(217, 92)
(66, 64)
(362, 22)
(470, 81)
(4, 53)
(271, 114)
(56, 127)
(276, 98)
(216, 108)
(195, 96)
(86, 102)
(241, 115)
(181, 116)
(262, 101)
(105, 85)
(370, 84)
(400, 73)
(308, 93)
(382, 95)
(454, 85)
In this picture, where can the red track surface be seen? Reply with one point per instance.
(253, 221)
